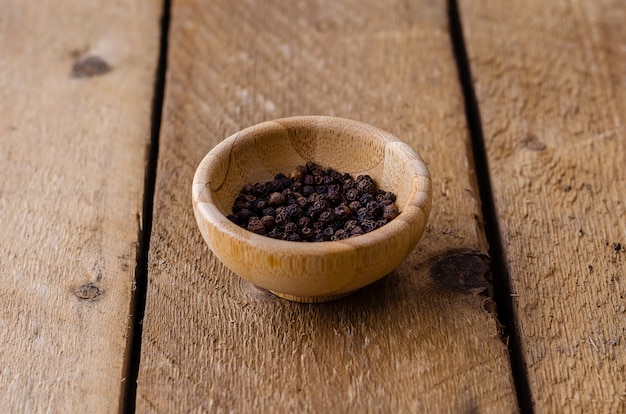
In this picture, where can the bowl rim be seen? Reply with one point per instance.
(205, 207)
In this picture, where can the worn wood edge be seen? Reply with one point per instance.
(552, 132)
(75, 119)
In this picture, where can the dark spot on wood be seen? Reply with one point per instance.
(463, 270)
(124, 262)
(89, 67)
(617, 247)
(75, 53)
(88, 291)
(533, 143)
(567, 188)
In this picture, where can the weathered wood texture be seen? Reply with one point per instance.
(550, 81)
(71, 182)
(409, 343)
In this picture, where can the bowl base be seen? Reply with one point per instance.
(311, 299)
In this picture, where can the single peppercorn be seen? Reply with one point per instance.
(356, 231)
(301, 201)
(294, 237)
(243, 215)
(354, 206)
(390, 212)
(307, 190)
(342, 211)
(303, 221)
(373, 208)
(281, 218)
(350, 224)
(291, 227)
(366, 198)
(269, 211)
(352, 194)
(268, 222)
(307, 233)
(276, 199)
(255, 226)
(368, 225)
(327, 216)
(275, 233)
(293, 211)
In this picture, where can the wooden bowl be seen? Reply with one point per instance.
(311, 271)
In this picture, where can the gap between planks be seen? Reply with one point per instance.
(145, 229)
(502, 290)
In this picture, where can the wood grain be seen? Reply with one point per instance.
(74, 134)
(412, 342)
(549, 79)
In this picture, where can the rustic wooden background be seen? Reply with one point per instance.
(112, 301)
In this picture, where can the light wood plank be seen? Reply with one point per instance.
(71, 186)
(406, 344)
(549, 77)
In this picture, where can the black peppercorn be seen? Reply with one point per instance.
(301, 201)
(243, 215)
(269, 211)
(342, 211)
(354, 206)
(365, 184)
(297, 175)
(276, 199)
(255, 226)
(307, 233)
(259, 204)
(268, 222)
(293, 211)
(307, 190)
(281, 218)
(275, 233)
(366, 198)
(368, 225)
(352, 194)
(303, 221)
(350, 224)
(291, 227)
(320, 189)
(390, 212)
(373, 208)
(356, 231)
(327, 216)
(328, 233)
(294, 237)
(333, 193)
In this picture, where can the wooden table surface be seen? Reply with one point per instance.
(111, 301)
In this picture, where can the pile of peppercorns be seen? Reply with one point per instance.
(313, 204)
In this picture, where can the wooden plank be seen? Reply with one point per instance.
(74, 135)
(549, 78)
(406, 344)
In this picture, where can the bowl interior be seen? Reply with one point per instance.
(258, 153)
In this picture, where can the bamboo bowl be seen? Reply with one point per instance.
(311, 271)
